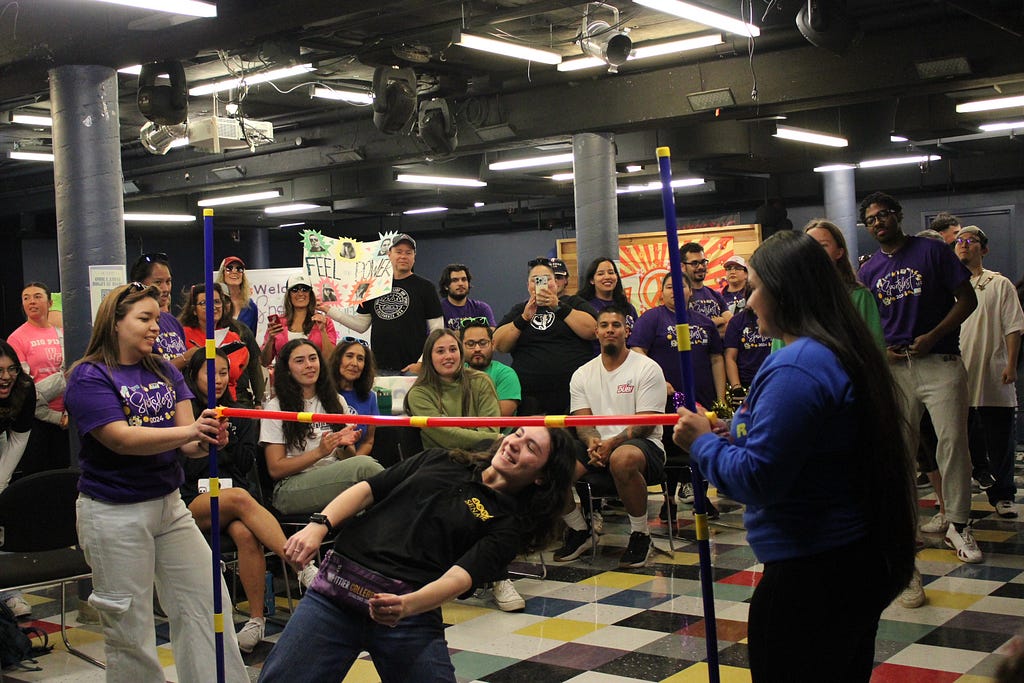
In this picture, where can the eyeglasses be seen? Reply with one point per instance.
(11, 371)
(880, 216)
(216, 304)
(702, 262)
(301, 288)
(477, 343)
(154, 257)
(478, 321)
(967, 241)
(130, 289)
(734, 267)
(234, 267)
(355, 340)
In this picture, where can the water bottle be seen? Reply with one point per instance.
(269, 603)
(383, 400)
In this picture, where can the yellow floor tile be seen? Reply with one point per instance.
(166, 655)
(559, 629)
(971, 678)
(456, 613)
(619, 580)
(679, 558)
(937, 555)
(955, 600)
(993, 535)
(698, 673)
(77, 636)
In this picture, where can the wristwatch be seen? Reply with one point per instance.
(319, 518)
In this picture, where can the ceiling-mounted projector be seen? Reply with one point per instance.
(217, 133)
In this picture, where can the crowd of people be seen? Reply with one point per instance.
(844, 374)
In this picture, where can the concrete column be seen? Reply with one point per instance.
(259, 247)
(88, 187)
(841, 207)
(597, 213)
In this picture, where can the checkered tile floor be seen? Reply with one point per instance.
(589, 622)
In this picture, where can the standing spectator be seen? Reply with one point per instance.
(454, 286)
(193, 321)
(232, 274)
(924, 294)
(603, 287)
(549, 337)
(477, 341)
(401, 318)
(311, 462)
(447, 388)
(353, 370)
(17, 407)
(704, 300)
(947, 225)
(40, 346)
(736, 289)
(134, 415)
(745, 349)
(153, 269)
(301, 320)
(990, 340)
(618, 382)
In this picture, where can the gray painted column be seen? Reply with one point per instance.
(597, 212)
(259, 248)
(88, 188)
(841, 207)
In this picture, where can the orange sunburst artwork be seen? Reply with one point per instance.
(642, 267)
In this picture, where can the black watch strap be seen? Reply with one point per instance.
(318, 518)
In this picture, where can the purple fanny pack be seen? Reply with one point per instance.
(350, 585)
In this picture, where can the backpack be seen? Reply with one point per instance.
(15, 641)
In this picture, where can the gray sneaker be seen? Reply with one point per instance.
(251, 634)
(913, 595)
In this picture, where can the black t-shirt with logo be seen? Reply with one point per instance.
(548, 346)
(400, 321)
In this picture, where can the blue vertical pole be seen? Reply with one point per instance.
(211, 402)
(700, 518)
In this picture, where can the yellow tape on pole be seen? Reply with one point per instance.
(211, 349)
(683, 337)
(218, 622)
(214, 487)
(304, 417)
(418, 421)
(554, 421)
(700, 526)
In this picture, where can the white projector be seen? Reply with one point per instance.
(216, 133)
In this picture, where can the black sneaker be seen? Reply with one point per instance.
(637, 551)
(923, 481)
(710, 510)
(663, 514)
(985, 480)
(575, 544)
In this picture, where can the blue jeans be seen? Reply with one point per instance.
(322, 641)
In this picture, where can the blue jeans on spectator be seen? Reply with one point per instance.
(322, 641)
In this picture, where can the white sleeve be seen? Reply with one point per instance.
(272, 431)
(578, 390)
(651, 390)
(10, 456)
(360, 322)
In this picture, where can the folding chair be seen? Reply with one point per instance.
(601, 485)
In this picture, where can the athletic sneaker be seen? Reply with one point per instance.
(922, 481)
(664, 512)
(17, 604)
(307, 575)
(577, 542)
(637, 551)
(686, 494)
(913, 595)
(1005, 509)
(985, 480)
(936, 524)
(963, 543)
(507, 597)
(251, 634)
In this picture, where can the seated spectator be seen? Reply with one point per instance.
(232, 274)
(249, 524)
(445, 387)
(193, 321)
(353, 370)
(311, 462)
(476, 340)
(301, 321)
(602, 287)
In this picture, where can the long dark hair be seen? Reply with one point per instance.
(540, 505)
(588, 290)
(812, 301)
(188, 316)
(197, 364)
(430, 380)
(364, 384)
(22, 390)
(289, 311)
(289, 393)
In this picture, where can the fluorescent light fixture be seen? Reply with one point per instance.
(477, 205)
(646, 52)
(531, 162)
(1002, 125)
(656, 185)
(429, 209)
(505, 49)
(31, 119)
(350, 96)
(581, 63)
(828, 168)
(240, 198)
(30, 156)
(298, 207)
(291, 225)
(809, 136)
(634, 168)
(562, 176)
(898, 138)
(897, 161)
(250, 79)
(988, 105)
(131, 70)
(702, 15)
(190, 8)
(439, 180)
(159, 217)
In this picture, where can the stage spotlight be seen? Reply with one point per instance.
(603, 41)
(166, 105)
(437, 127)
(825, 24)
(394, 98)
(160, 139)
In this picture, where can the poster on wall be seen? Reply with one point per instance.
(643, 266)
(102, 280)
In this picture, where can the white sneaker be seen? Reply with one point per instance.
(17, 604)
(936, 524)
(507, 597)
(913, 595)
(686, 494)
(251, 634)
(963, 543)
(1005, 509)
(597, 523)
(307, 575)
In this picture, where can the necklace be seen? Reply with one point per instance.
(979, 285)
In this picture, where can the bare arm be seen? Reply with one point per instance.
(366, 447)
(301, 547)
(718, 374)
(582, 323)
(388, 609)
(1012, 352)
(508, 407)
(125, 439)
(732, 369)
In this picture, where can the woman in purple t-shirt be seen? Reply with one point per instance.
(134, 416)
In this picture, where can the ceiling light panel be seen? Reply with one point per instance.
(646, 52)
(531, 162)
(190, 8)
(896, 161)
(240, 198)
(159, 217)
(250, 79)
(505, 48)
(703, 15)
(439, 180)
(428, 209)
(298, 207)
(811, 137)
(990, 104)
(350, 96)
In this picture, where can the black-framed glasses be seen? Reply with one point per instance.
(217, 303)
(355, 340)
(968, 241)
(477, 343)
(300, 288)
(234, 267)
(130, 289)
(702, 262)
(478, 321)
(155, 257)
(880, 216)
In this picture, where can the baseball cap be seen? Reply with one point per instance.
(229, 260)
(738, 260)
(558, 265)
(296, 280)
(974, 230)
(403, 237)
